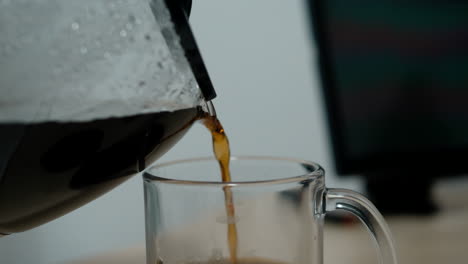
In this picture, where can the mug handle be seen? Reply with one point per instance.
(362, 208)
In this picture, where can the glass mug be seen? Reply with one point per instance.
(278, 207)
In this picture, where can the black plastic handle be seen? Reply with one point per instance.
(180, 11)
(186, 5)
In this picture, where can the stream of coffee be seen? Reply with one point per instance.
(222, 153)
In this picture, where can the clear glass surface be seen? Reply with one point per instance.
(279, 211)
(88, 60)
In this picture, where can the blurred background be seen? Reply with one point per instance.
(263, 64)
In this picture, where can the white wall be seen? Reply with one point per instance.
(261, 61)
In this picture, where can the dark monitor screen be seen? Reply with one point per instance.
(395, 81)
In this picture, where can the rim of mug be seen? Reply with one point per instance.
(314, 174)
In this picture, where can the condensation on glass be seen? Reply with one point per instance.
(64, 60)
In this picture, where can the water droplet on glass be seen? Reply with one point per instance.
(57, 70)
(117, 46)
(172, 69)
(159, 261)
(131, 18)
(155, 76)
(123, 33)
(138, 21)
(129, 26)
(26, 39)
(147, 37)
(53, 52)
(83, 50)
(75, 26)
(91, 12)
(7, 49)
(217, 254)
(107, 55)
(98, 43)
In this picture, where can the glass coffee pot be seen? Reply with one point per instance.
(91, 92)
